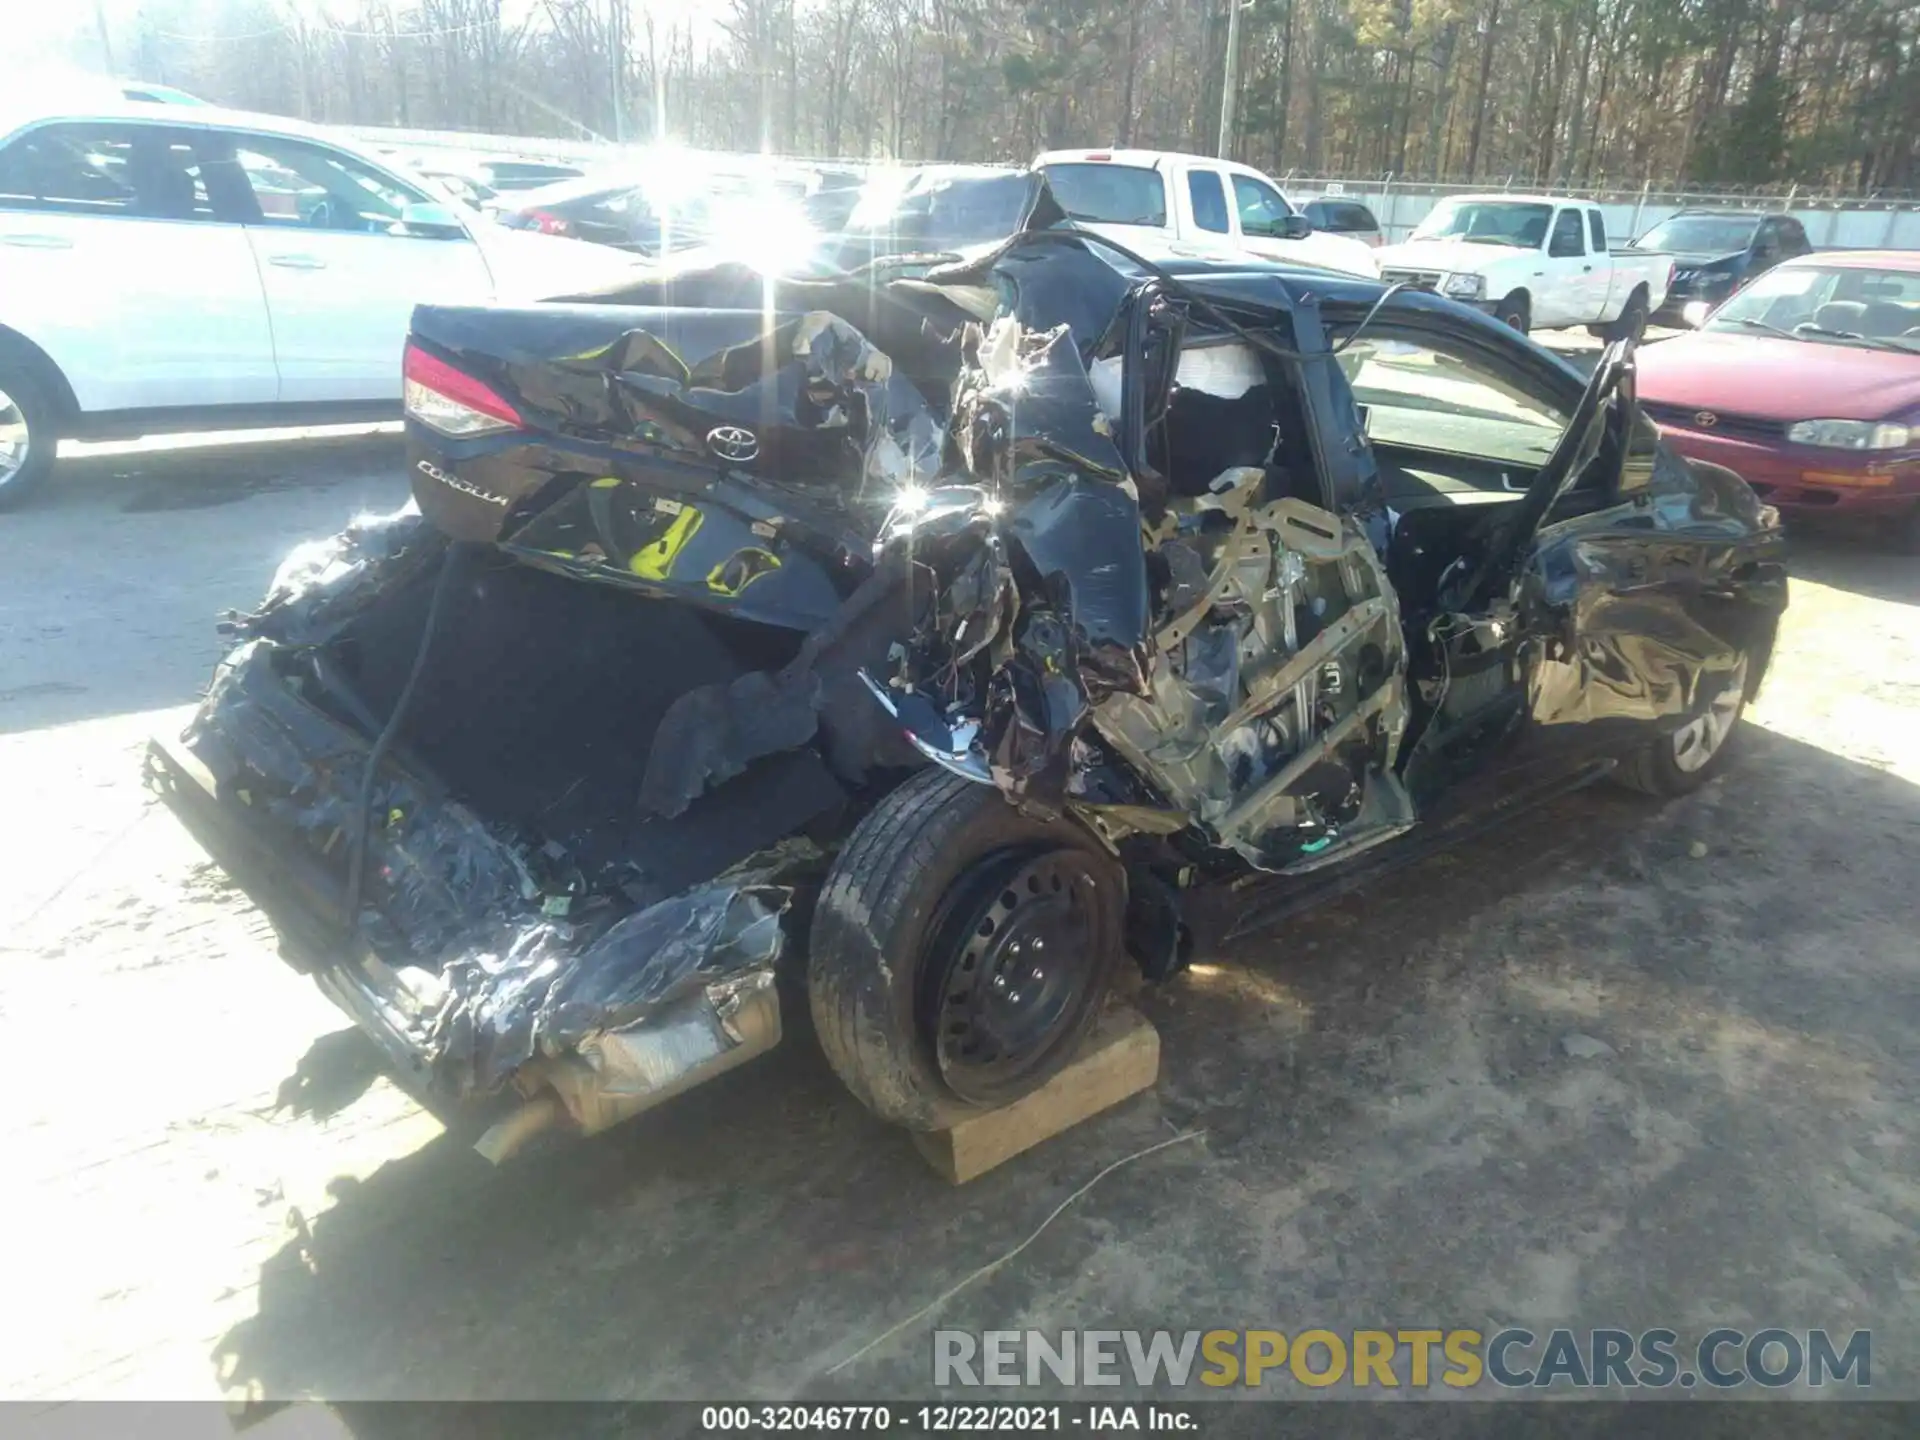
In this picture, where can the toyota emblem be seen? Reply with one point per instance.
(732, 443)
(1705, 419)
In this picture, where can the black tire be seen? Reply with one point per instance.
(1906, 537)
(1632, 324)
(884, 927)
(1515, 312)
(22, 393)
(1662, 768)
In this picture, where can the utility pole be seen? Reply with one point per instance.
(106, 45)
(1230, 87)
(617, 34)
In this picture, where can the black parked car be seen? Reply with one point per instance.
(940, 644)
(1339, 216)
(1716, 252)
(623, 209)
(930, 209)
(652, 212)
(506, 175)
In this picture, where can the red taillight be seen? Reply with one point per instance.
(452, 401)
(1098, 155)
(547, 223)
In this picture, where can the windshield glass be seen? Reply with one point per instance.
(1715, 234)
(1110, 194)
(1489, 222)
(947, 205)
(1829, 304)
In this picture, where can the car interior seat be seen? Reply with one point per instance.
(1886, 318)
(1843, 315)
(166, 191)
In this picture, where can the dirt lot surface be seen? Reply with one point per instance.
(1626, 1065)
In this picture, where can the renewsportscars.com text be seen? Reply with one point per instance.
(1460, 1359)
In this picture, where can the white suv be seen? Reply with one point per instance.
(167, 268)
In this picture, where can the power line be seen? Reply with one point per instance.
(330, 29)
(217, 39)
(411, 34)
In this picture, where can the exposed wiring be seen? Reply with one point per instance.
(993, 1265)
(357, 836)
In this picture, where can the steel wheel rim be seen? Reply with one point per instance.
(1699, 740)
(1011, 970)
(15, 442)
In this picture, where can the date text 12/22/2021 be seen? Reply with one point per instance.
(963, 1419)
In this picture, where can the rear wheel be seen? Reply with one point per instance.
(959, 951)
(1515, 313)
(1631, 325)
(28, 435)
(1907, 536)
(1683, 761)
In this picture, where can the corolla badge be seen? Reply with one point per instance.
(1705, 419)
(454, 482)
(732, 443)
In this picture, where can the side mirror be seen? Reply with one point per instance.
(1296, 227)
(428, 221)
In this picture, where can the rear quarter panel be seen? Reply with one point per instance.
(1630, 269)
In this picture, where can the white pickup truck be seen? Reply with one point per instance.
(1535, 262)
(1193, 205)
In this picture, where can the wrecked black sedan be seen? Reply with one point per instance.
(939, 644)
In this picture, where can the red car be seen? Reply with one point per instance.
(1807, 383)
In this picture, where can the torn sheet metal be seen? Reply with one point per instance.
(1028, 399)
(321, 583)
(1276, 705)
(702, 545)
(498, 974)
(537, 991)
(804, 401)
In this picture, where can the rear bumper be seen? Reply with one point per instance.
(1683, 293)
(1801, 481)
(455, 972)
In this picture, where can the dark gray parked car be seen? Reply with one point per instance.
(1339, 216)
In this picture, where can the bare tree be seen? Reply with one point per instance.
(1556, 91)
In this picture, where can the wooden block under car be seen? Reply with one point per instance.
(1121, 1057)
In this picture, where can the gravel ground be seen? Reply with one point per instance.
(217, 1192)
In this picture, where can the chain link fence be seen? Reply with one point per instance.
(1832, 221)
